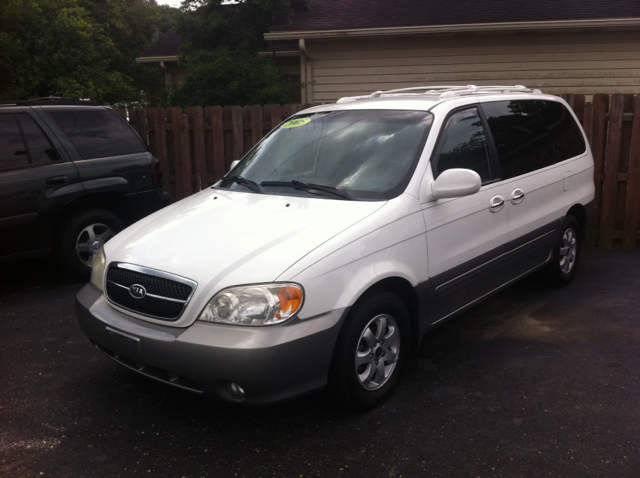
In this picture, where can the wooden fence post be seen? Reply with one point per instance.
(632, 210)
(160, 126)
(197, 119)
(612, 164)
(598, 141)
(237, 131)
(257, 134)
(185, 152)
(215, 115)
(275, 115)
(174, 113)
(138, 119)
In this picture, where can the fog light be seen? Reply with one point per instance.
(235, 391)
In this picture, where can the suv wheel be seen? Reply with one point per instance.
(81, 238)
(370, 353)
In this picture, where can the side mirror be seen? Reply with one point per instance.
(454, 183)
(233, 164)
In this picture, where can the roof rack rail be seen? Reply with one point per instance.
(443, 92)
(50, 100)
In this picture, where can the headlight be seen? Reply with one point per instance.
(97, 271)
(261, 304)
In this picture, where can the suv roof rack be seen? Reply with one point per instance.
(443, 92)
(50, 100)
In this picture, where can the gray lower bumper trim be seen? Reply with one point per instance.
(270, 363)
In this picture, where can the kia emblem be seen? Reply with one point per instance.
(137, 291)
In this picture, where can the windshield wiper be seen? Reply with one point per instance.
(255, 187)
(309, 187)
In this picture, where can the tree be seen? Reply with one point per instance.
(78, 48)
(220, 51)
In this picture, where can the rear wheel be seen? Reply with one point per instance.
(370, 354)
(81, 238)
(566, 254)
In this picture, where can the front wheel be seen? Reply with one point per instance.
(566, 254)
(370, 353)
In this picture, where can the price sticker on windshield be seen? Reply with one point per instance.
(294, 123)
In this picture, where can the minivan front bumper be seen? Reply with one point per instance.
(270, 364)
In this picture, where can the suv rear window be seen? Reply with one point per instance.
(98, 134)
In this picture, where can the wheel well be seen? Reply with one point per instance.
(580, 213)
(403, 289)
(112, 202)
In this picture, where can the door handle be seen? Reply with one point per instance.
(517, 196)
(496, 203)
(57, 180)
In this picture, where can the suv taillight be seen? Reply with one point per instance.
(157, 174)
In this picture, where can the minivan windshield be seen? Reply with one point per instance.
(352, 154)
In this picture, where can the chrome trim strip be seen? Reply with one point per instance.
(154, 272)
(151, 295)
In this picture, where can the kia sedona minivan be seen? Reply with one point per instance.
(328, 252)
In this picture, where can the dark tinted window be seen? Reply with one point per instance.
(98, 134)
(40, 149)
(464, 145)
(530, 135)
(13, 154)
(521, 138)
(566, 136)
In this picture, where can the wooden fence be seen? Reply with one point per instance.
(196, 146)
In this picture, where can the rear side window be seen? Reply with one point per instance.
(40, 149)
(531, 135)
(98, 134)
(13, 154)
(520, 136)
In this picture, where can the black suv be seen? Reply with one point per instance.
(72, 175)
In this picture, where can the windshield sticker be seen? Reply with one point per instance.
(294, 123)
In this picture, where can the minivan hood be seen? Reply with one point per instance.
(221, 238)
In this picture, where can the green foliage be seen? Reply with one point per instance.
(232, 77)
(78, 48)
(220, 51)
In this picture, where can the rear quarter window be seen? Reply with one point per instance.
(98, 133)
(532, 134)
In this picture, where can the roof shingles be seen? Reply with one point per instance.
(357, 14)
(167, 45)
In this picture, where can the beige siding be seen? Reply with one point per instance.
(586, 63)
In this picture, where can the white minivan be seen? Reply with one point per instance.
(325, 255)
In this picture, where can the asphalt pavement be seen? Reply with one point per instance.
(534, 382)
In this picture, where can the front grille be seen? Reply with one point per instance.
(166, 295)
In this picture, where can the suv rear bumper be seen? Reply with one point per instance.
(271, 364)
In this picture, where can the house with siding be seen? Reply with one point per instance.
(350, 47)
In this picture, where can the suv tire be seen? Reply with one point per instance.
(361, 376)
(81, 238)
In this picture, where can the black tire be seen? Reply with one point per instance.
(365, 386)
(81, 236)
(566, 254)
